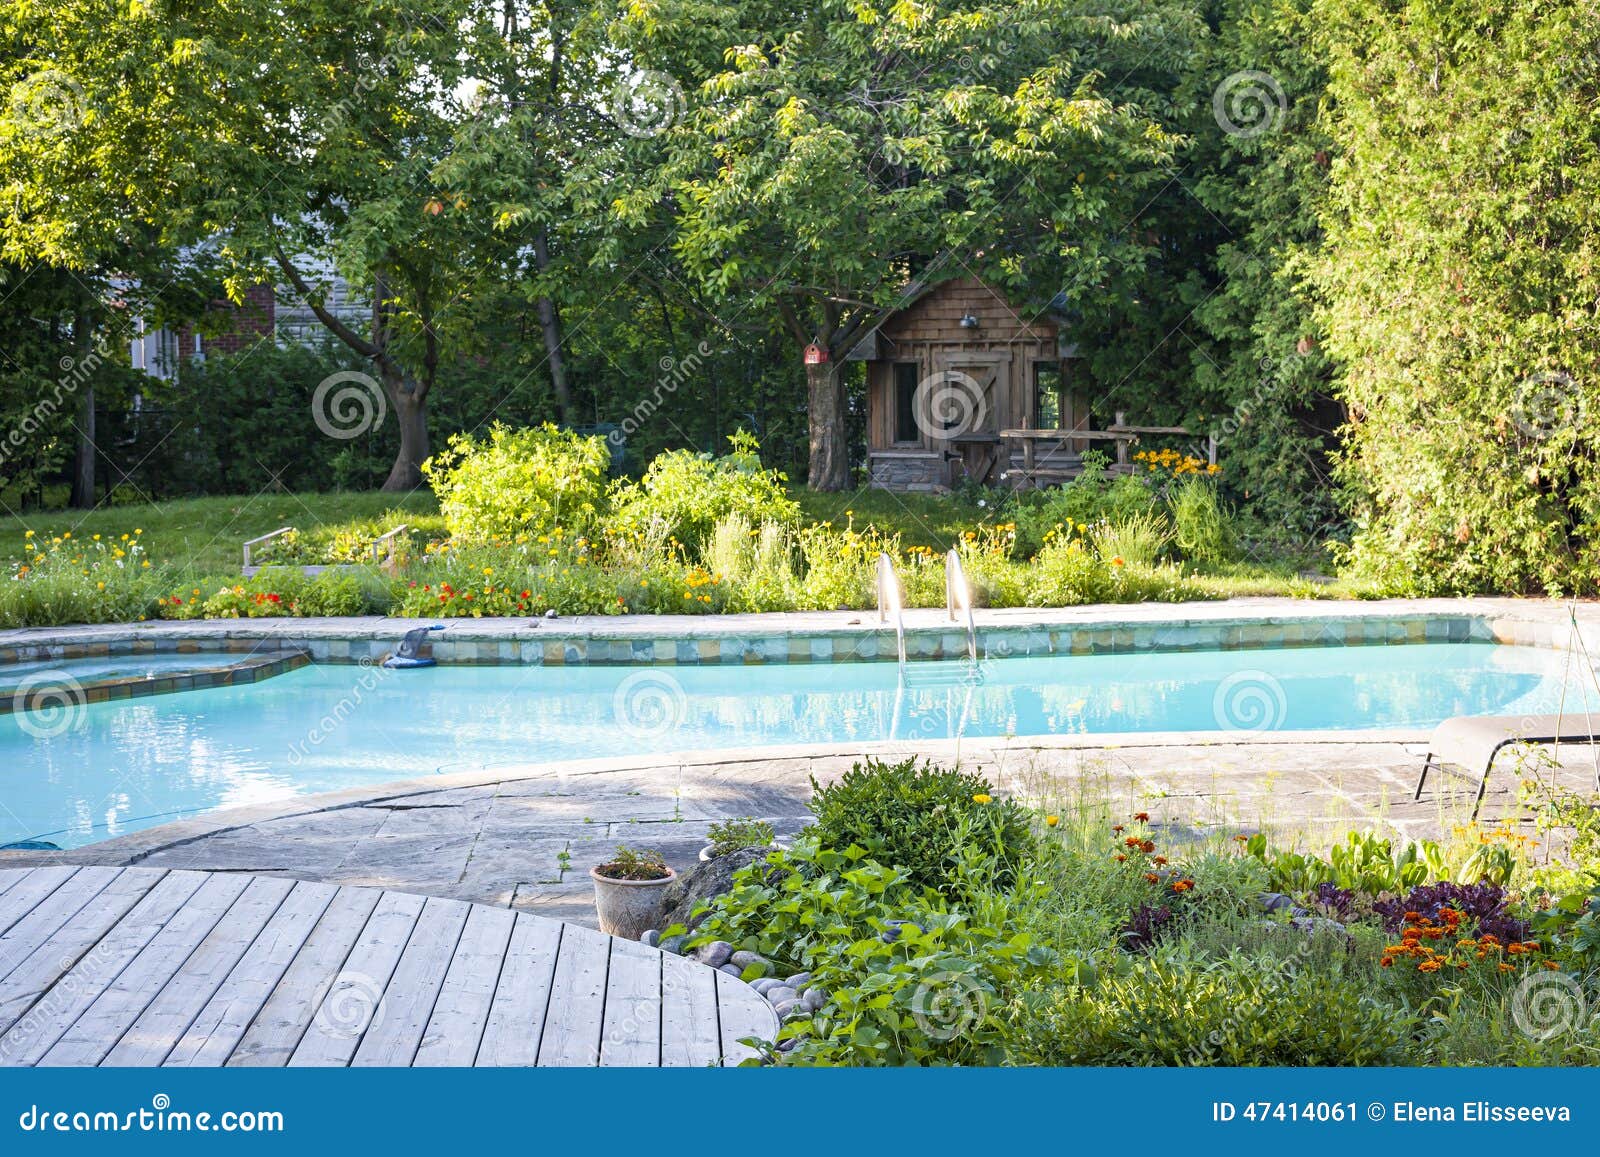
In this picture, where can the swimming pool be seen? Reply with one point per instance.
(104, 769)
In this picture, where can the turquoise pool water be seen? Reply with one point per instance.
(90, 772)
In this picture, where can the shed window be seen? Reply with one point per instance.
(1048, 408)
(905, 402)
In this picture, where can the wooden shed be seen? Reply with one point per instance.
(949, 374)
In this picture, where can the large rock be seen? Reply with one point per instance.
(712, 878)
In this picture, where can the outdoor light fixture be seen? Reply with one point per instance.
(968, 321)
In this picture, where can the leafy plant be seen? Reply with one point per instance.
(634, 864)
(919, 817)
(1364, 863)
(731, 835)
(515, 482)
(687, 494)
(1202, 529)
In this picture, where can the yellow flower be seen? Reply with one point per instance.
(981, 798)
(102, 586)
(97, 538)
(28, 534)
(1051, 821)
(488, 570)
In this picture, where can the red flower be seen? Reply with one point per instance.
(1142, 817)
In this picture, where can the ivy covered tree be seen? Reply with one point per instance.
(828, 163)
(1461, 274)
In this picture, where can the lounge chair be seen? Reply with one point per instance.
(1470, 741)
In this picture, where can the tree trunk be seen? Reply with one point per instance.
(550, 324)
(411, 414)
(830, 467)
(83, 458)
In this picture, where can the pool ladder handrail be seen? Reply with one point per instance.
(891, 599)
(958, 591)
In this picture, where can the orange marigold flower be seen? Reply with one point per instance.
(1551, 965)
(1159, 860)
(1147, 847)
(1132, 841)
(1182, 885)
(1241, 839)
(1387, 962)
(1504, 967)
(1152, 877)
(1142, 817)
(1428, 966)
(1116, 827)
(1121, 859)
(1413, 917)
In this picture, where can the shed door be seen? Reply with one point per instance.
(966, 404)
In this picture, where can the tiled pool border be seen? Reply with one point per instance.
(250, 670)
(836, 637)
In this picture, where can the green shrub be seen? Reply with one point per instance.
(1088, 499)
(908, 978)
(1235, 1011)
(689, 493)
(519, 482)
(1202, 529)
(1132, 540)
(922, 819)
(60, 580)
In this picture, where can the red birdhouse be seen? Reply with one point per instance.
(816, 355)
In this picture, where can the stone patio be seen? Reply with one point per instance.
(527, 839)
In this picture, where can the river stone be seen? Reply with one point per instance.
(651, 937)
(765, 984)
(784, 1007)
(712, 878)
(744, 958)
(798, 981)
(732, 970)
(813, 998)
(673, 944)
(780, 994)
(715, 954)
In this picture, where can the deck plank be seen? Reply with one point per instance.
(355, 1001)
(31, 1037)
(515, 1028)
(276, 1030)
(140, 966)
(63, 949)
(630, 1034)
(459, 1015)
(742, 1013)
(216, 1031)
(160, 1026)
(577, 1000)
(28, 892)
(50, 913)
(690, 1034)
(393, 1038)
(122, 1002)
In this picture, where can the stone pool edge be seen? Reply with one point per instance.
(136, 846)
(846, 636)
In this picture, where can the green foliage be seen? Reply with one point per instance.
(921, 818)
(1372, 865)
(1201, 527)
(635, 864)
(1459, 282)
(519, 482)
(731, 835)
(1137, 540)
(685, 494)
(1233, 1011)
(909, 978)
(1087, 500)
(279, 592)
(60, 580)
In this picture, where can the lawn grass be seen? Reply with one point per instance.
(203, 536)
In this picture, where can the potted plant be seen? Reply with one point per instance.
(628, 891)
(731, 835)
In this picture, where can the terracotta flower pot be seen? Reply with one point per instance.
(628, 908)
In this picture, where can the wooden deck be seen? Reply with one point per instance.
(137, 966)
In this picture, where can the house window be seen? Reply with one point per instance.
(906, 379)
(1048, 409)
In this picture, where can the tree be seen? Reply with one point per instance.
(292, 139)
(1460, 283)
(828, 163)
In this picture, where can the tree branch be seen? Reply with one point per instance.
(336, 327)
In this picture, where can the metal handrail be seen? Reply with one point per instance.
(958, 590)
(890, 599)
(378, 554)
(263, 538)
